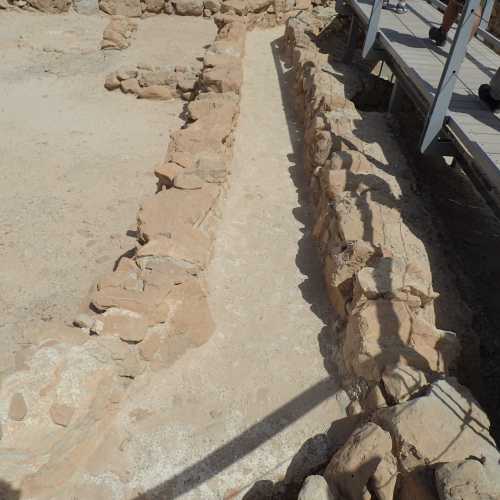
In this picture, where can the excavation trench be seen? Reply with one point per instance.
(259, 405)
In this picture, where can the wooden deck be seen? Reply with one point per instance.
(471, 123)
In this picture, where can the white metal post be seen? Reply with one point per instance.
(373, 25)
(444, 93)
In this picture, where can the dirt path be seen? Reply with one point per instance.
(243, 404)
(76, 160)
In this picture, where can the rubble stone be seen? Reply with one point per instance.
(188, 7)
(61, 414)
(446, 425)
(17, 407)
(356, 463)
(402, 381)
(127, 8)
(465, 479)
(315, 488)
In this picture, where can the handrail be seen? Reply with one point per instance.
(442, 98)
(373, 27)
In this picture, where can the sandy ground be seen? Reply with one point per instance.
(242, 406)
(75, 159)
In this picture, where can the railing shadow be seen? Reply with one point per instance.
(243, 444)
(7, 492)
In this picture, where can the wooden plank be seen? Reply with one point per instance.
(488, 142)
(491, 148)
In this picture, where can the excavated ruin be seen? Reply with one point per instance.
(81, 416)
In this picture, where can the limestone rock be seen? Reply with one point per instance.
(125, 357)
(374, 399)
(361, 217)
(86, 7)
(212, 59)
(212, 5)
(189, 7)
(126, 73)
(315, 488)
(127, 8)
(211, 169)
(191, 317)
(152, 78)
(130, 86)
(130, 300)
(356, 463)
(202, 138)
(83, 320)
(118, 33)
(227, 78)
(187, 248)
(465, 479)
(61, 414)
(150, 345)
(128, 325)
(238, 7)
(354, 161)
(341, 264)
(17, 407)
(382, 333)
(188, 179)
(50, 6)
(158, 92)
(259, 5)
(222, 19)
(401, 381)
(155, 6)
(383, 481)
(166, 174)
(210, 104)
(182, 158)
(393, 278)
(187, 83)
(302, 4)
(446, 425)
(169, 212)
(112, 82)
(161, 273)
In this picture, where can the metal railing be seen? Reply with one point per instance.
(441, 102)
(444, 93)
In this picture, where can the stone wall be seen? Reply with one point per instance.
(419, 433)
(66, 408)
(261, 12)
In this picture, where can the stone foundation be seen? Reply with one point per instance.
(65, 408)
(420, 434)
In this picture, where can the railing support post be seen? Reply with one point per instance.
(373, 25)
(485, 18)
(351, 39)
(444, 93)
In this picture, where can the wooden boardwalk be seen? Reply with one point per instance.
(471, 124)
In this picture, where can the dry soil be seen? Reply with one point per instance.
(75, 159)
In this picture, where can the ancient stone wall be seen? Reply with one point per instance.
(65, 407)
(420, 434)
(256, 12)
